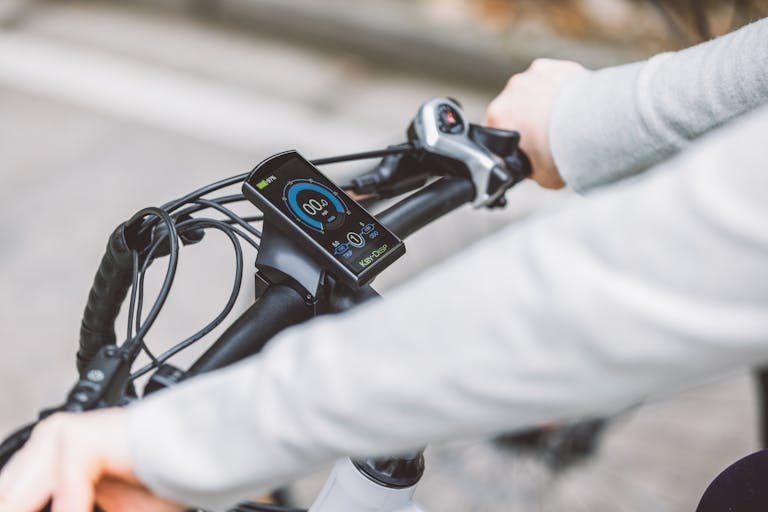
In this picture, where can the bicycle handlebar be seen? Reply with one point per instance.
(279, 307)
(282, 306)
(489, 164)
(427, 205)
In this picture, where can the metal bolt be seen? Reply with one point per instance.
(81, 397)
(95, 375)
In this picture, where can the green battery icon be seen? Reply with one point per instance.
(262, 184)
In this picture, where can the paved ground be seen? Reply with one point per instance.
(104, 111)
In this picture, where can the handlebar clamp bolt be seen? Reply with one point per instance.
(81, 397)
(95, 375)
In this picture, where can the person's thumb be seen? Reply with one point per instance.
(75, 485)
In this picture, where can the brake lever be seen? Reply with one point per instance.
(442, 144)
(393, 176)
(490, 157)
(504, 144)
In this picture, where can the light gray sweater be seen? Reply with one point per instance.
(644, 286)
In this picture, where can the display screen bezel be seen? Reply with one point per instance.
(307, 238)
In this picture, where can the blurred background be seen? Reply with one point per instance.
(107, 107)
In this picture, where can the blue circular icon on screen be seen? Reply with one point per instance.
(314, 205)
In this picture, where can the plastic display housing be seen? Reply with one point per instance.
(345, 240)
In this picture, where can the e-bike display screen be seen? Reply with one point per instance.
(306, 206)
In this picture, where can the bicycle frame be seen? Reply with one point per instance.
(349, 490)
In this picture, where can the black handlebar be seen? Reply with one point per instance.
(427, 205)
(282, 306)
(13, 443)
(279, 307)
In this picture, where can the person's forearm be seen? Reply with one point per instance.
(619, 121)
(654, 285)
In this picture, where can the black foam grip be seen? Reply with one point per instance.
(110, 286)
(14, 443)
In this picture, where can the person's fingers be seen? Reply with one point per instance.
(26, 484)
(118, 495)
(64, 459)
(526, 104)
(73, 499)
(90, 448)
(492, 120)
(75, 480)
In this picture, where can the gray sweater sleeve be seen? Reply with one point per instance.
(651, 285)
(619, 121)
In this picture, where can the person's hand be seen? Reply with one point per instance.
(526, 104)
(77, 460)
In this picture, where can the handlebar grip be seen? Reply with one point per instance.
(110, 286)
(14, 443)
(280, 307)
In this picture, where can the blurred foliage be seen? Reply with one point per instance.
(659, 24)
